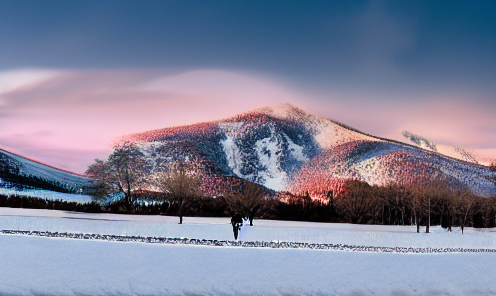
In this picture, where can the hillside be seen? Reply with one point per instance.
(17, 171)
(284, 148)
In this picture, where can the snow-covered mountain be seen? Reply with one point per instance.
(16, 170)
(420, 141)
(284, 148)
(451, 151)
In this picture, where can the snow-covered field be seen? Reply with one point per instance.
(59, 266)
(47, 194)
(263, 230)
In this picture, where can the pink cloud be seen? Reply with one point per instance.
(450, 119)
(87, 111)
(67, 118)
(453, 122)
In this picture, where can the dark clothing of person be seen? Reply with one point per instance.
(236, 222)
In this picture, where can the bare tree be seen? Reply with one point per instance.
(124, 171)
(180, 183)
(355, 202)
(446, 200)
(101, 180)
(422, 194)
(464, 207)
(246, 202)
(392, 202)
(435, 196)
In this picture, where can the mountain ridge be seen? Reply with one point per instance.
(20, 171)
(271, 145)
(189, 128)
(283, 148)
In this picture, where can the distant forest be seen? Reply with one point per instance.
(434, 204)
(431, 202)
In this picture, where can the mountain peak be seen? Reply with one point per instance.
(281, 111)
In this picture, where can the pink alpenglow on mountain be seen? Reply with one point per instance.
(285, 149)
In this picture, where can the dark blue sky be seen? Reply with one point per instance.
(431, 44)
(380, 66)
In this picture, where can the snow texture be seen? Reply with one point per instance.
(265, 156)
(241, 243)
(268, 150)
(233, 155)
(286, 149)
(29, 167)
(47, 194)
(33, 265)
(263, 230)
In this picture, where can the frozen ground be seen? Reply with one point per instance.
(44, 266)
(263, 230)
(59, 266)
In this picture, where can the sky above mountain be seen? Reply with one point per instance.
(76, 74)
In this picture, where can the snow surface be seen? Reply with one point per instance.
(268, 150)
(47, 194)
(44, 266)
(233, 155)
(295, 151)
(34, 168)
(263, 230)
(329, 134)
(59, 266)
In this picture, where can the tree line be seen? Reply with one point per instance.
(16, 201)
(432, 202)
(359, 203)
(177, 187)
(177, 191)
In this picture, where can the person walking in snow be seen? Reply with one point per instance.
(236, 222)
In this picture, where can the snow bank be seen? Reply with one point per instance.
(47, 266)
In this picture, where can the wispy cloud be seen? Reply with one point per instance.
(81, 113)
(23, 80)
(86, 110)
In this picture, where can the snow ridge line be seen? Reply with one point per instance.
(245, 244)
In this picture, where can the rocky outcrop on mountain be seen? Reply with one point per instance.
(285, 149)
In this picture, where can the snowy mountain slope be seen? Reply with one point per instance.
(381, 163)
(468, 155)
(420, 141)
(252, 146)
(18, 169)
(284, 148)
